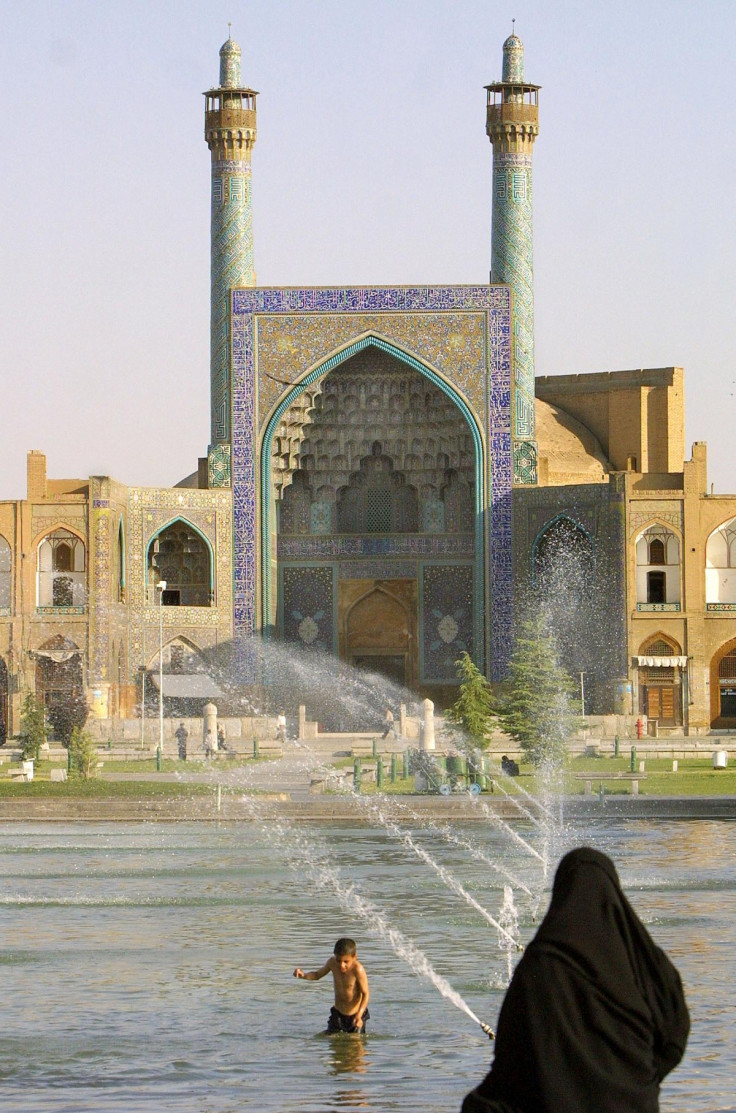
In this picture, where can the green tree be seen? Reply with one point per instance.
(32, 727)
(539, 711)
(474, 710)
(82, 753)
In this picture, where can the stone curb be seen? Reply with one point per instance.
(336, 809)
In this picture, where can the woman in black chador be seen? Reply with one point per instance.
(595, 1015)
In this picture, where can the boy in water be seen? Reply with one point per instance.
(350, 1011)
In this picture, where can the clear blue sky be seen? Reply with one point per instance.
(371, 166)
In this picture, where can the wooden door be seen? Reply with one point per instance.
(663, 704)
(653, 702)
(667, 703)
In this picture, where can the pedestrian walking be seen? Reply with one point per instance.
(389, 727)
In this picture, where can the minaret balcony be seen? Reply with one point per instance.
(513, 113)
(230, 119)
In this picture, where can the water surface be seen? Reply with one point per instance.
(149, 966)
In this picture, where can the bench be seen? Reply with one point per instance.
(632, 778)
(20, 774)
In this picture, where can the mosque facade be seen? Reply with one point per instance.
(387, 482)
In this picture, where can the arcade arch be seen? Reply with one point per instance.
(720, 565)
(379, 632)
(62, 570)
(59, 679)
(657, 567)
(661, 672)
(723, 687)
(180, 556)
(563, 554)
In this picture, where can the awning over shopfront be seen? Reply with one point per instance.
(662, 662)
(195, 685)
(58, 653)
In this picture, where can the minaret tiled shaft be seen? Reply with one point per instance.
(512, 125)
(230, 131)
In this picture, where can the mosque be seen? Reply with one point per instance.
(389, 482)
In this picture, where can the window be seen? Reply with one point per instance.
(656, 587)
(378, 510)
(661, 648)
(656, 551)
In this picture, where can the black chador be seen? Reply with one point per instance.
(595, 1015)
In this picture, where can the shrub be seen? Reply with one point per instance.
(32, 727)
(82, 753)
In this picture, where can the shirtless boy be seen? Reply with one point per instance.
(350, 1011)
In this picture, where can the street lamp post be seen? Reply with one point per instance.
(142, 674)
(161, 588)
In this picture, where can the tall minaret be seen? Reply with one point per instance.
(230, 131)
(512, 125)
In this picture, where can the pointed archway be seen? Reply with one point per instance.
(372, 474)
(723, 687)
(378, 628)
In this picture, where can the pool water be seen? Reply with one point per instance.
(149, 966)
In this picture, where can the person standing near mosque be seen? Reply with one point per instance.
(389, 726)
(181, 735)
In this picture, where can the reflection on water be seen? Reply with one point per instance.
(149, 966)
(348, 1054)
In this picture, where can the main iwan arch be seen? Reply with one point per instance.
(373, 475)
(371, 447)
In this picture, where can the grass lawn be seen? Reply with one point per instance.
(96, 787)
(694, 777)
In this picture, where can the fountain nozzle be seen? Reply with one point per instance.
(520, 947)
(488, 1030)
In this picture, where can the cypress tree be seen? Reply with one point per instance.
(83, 753)
(474, 711)
(539, 709)
(32, 727)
